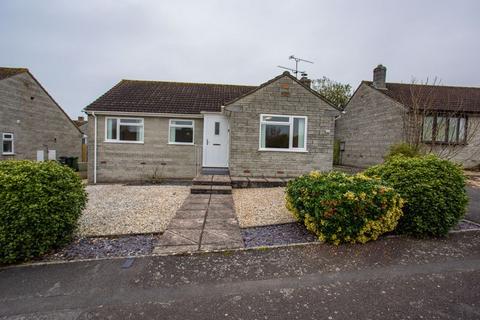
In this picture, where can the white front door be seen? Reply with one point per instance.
(215, 141)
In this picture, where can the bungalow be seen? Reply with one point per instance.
(438, 119)
(143, 130)
(32, 124)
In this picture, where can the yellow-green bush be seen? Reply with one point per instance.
(341, 208)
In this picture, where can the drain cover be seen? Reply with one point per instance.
(127, 263)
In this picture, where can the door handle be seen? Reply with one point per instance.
(207, 142)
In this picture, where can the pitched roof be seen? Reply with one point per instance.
(8, 72)
(434, 97)
(286, 73)
(167, 97)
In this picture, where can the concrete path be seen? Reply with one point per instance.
(394, 278)
(204, 222)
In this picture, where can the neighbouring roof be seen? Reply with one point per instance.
(167, 97)
(434, 97)
(8, 72)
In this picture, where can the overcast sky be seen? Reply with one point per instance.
(80, 49)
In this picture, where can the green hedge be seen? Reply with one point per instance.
(402, 149)
(434, 191)
(40, 203)
(341, 208)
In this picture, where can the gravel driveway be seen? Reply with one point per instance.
(118, 209)
(261, 207)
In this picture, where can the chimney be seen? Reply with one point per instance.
(305, 81)
(379, 77)
(81, 119)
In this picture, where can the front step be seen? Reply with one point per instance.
(212, 180)
(211, 189)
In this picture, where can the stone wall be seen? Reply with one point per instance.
(153, 159)
(36, 121)
(245, 157)
(372, 122)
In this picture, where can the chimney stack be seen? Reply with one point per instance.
(306, 82)
(379, 77)
(81, 119)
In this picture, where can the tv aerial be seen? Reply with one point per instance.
(296, 71)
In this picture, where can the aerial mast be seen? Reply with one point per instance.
(296, 71)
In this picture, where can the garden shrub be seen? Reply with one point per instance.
(433, 190)
(342, 208)
(402, 149)
(40, 203)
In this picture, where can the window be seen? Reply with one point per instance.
(124, 130)
(283, 133)
(443, 128)
(181, 132)
(7, 139)
(217, 128)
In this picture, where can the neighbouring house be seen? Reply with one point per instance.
(142, 130)
(439, 119)
(32, 125)
(82, 125)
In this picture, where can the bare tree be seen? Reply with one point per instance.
(436, 120)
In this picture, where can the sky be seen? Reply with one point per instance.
(80, 49)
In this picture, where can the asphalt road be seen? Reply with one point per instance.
(394, 278)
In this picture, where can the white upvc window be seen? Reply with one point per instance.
(7, 143)
(181, 131)
(125, 130)
(283, 133)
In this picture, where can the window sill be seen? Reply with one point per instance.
(283, 150)
(8, 154)
(181, 144)
(119, 141)
(453, 144)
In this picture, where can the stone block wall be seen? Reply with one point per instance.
(37, 123)
(153, 159)
(372, 122)
(244, 117)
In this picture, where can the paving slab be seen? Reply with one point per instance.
(219, 224)
(176, 237)
(195, 223)
(203, 222)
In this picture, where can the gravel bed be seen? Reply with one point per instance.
(466, 225)
(91, 248)
(279, 234)
(119, 209)
(261, 207)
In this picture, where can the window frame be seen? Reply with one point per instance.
(117, 140)
(12, 139)
(447, 118)
(171, 125)
(290, 132)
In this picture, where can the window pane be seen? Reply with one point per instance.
(131, 121)
(112, 129)
(299, 133)
(461, 130)
(441, 128)
(7, 146)
(217, 128)
(427, 128)
(452, 129)
(131, 133)
(182, 122)
(7, 136)
(184, 135)
(275, 118)
(277, 136)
